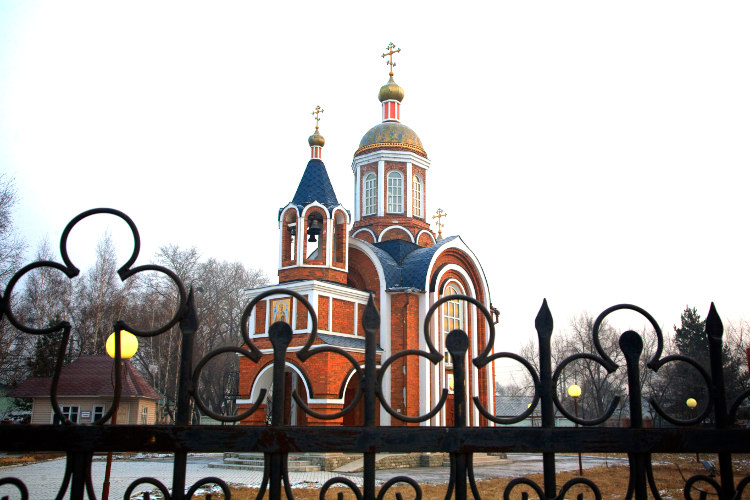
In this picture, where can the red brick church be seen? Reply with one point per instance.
(335, 257)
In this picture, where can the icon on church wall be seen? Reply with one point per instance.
(281, 310)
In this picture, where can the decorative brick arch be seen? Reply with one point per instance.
(288, 243)
(340, 238)
(396, 233)
(365, 235)
(425, 239)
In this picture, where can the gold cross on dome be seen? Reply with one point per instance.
(316, 113)
(390, 56)
(439, 216)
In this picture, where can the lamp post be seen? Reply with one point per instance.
(574, 391)
(692, 403)
(128, 347)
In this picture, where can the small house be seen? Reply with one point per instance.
(86, 391)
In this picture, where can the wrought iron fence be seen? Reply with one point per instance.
(276, 441)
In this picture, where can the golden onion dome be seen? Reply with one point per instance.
(393, 135)
(316, 139)
(391, 91)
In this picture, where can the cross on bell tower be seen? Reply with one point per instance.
(316, 140)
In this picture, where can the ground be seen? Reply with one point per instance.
(609, 472)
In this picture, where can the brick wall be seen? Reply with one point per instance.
(323, 313)
(312, 273)
(405, 330)
(260, 316)
(342, 316)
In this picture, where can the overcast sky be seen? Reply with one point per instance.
(590, 153)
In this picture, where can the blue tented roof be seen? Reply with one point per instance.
(315, 186)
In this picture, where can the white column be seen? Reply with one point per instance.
(281, 241)
(381, 188)
(300, 240)
(385, 343)
(407, 190)
(357, 194)
(425, 366)
(329, 242)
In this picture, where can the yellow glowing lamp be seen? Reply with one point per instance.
(691, 403)
(574, 391)
(128, 344)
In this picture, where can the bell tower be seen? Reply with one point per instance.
(390, 175)
(313, 236)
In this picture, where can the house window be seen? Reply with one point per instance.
(97, 413)
(416, 189)
(71, 412)
(144, 415)
(371, 194)
(395, 192)
(452, 317)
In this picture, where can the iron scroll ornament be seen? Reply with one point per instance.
(280, 334)
(457, 340)
(627, 341)
(71, 271)
(560, 496)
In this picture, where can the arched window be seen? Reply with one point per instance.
(395, 192)
(416, 191)
(452, 316)
(371, 194)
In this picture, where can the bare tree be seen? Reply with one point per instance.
(12, 245)
(219, 290)
(221, 300)
(44, 300)
(101, 298)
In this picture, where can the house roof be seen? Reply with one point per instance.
(511, 406)
(89, 376)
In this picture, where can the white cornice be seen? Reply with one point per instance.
(390, 155)
(322, 287)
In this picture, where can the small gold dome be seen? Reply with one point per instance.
(316, 139)
(391, 91)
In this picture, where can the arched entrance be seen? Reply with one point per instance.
(294, 380)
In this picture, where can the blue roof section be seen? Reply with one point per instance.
(315, 186)
(391, 269)
(339, 341)
(398, 249)
(405, 264)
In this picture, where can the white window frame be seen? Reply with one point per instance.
(453, 316)
(144, 415)
(395, 192)
(370, 184)
(417, 190)
(70, 411)
(97, 412)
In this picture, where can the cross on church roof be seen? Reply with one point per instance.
(317, 112)
(390, 56)
(439, 216)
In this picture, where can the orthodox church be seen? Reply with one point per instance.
(335, 257)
